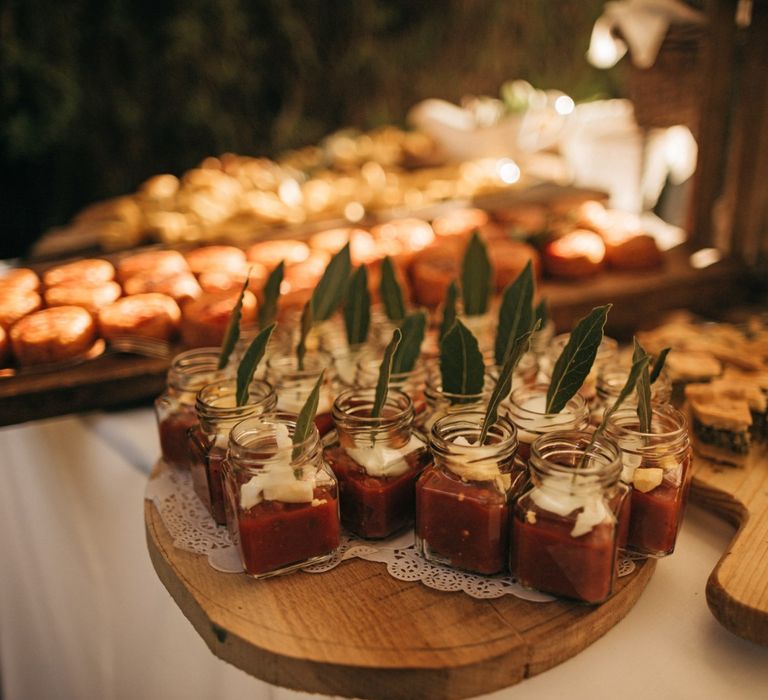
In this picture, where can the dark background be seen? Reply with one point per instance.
(97, 95)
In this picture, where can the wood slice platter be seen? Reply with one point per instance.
(737, 590)
(355, 631)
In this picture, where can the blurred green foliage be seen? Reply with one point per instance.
(97, 95)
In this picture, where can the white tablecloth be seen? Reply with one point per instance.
(83, 615)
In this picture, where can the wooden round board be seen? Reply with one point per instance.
(737, 590)
(355, 631)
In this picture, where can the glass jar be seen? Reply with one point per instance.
(175, 407)
(525, 373)
(564, 528)
(282, 499)
(542, 338)
(610, 382)
(657, 467)
(217, 412)
(607, 353)
(526, 409)
(441, 403)
(293, 385)
(463, 500)
(377, 462)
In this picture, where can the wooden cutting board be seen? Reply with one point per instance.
(737, 590)
(355, 631)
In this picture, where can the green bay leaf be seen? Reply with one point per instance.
(247, 367)
(305, 325)
(576, 359)
(643, 389)
(306, 419)
(232, 334)
(515, 313)
(390, 291)
(659, 364)
(413, 329)
(271, 295)
(385, 371)
(357, 308)
(518, 348)
(476, 277)
(330, 290)
(462, 369)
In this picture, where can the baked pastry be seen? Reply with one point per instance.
(53, 335)
(756, 398)
(306, 274)
(20, 279)
(720, 425)
(150, 315)
(635, 252)
(180, 286)
(524, 217)
(4, 347)
(459, 222)
(90, 295)
(509, 258)
(431, 272)
(574, 255)
(363, 248)
(159, 261)
(403, 238)
(225, 280)
(16, 304)
(88, 270)
(270, 253)
(222, 258)
(204, 320)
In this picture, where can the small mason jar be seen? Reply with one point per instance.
(657, 467)
(564, 528)
(441, 403)
(282, 499)
(377, 462)
(293, 385)
(607, 353)
(526, 409)
(610, 382)
(463, 499)
(175, 407)
(217, 411)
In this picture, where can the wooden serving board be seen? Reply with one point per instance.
(355, 631)
(737, 590)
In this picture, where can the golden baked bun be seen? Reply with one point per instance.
(362, 248)
(225, 280)
(638, 252)
(53, 335)
(159, 261)
(431, 272)
(19, 279)
(5, 348)
(180, 286)
(403, 238)
(215, 257)
(575, 255)
(15, 304)
(459, 222)
(270, 253)
(150, 315)
(509, 258)
(204, 320)
(90, 295)
(88, 270)
(306, 274)
(525, 217)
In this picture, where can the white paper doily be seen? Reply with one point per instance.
(193, 530)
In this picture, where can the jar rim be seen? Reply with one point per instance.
(264, 426)
(576, 403)
(210, 396)
(573, 444)
(366, 396)
(452, 425)
(618, 425)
